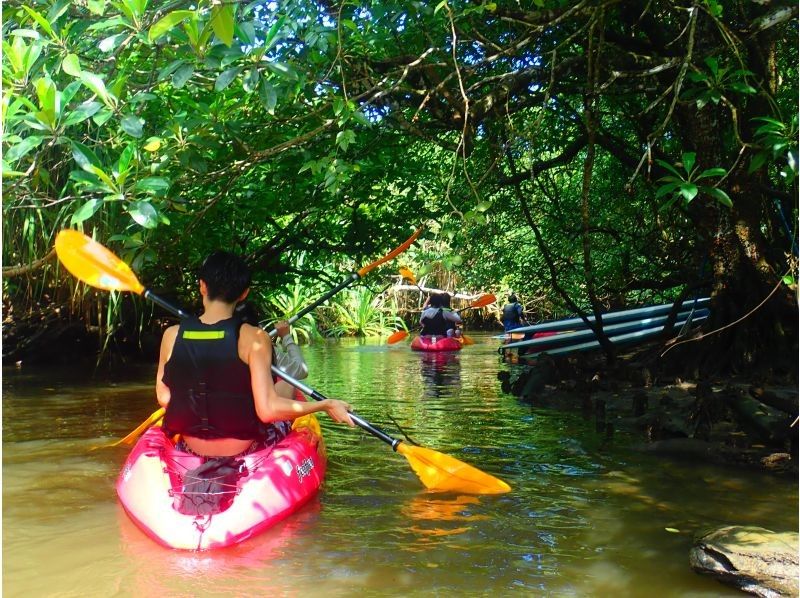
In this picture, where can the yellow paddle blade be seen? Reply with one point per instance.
(467, 340)
(397, 337)
(95, 265)
(408, 274)
(443, 473)
(153, 419)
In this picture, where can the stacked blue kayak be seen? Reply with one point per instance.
(570, 335)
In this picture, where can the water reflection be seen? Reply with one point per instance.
(441, 372)
(584, 519)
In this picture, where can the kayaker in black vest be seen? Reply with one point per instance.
(214, 374)
(436, 320)
(513, 314)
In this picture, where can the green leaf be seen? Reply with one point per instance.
(108, 44)
(688, 161)
(272, 34)
(688, 191)
(788, 279)
(167, 22)
(86, 211)
(250, 81)
(713, 65)
(711, 172)
(226, 77)
(84, 157)
(82, 112)
(15, 152)
(125, 158)
(97, 86)
(671, 168)
(144, 214)
(345, 138)
(222, 20)
(719, 195)
(102, 117)
(132, 125)
(283, 69)
(43, 23)
(268, 95)
(152, 185)
(71, 65)
(757, 162)
(182, 75)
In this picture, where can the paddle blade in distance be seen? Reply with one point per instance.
(89, 261)
(443, 473)
(467, 340)
(408, 274)
(483, 300)
(397, 337)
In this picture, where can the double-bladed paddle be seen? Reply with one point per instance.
(95, 265)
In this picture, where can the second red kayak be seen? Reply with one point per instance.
(436, 343)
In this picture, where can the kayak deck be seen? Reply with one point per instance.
(278, 480)
(436, 343)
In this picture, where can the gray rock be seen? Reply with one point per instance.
(752, 559)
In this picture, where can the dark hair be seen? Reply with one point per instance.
(512, 298)
(445, 299)
(226, 275)
(248, 313)
(435, 300)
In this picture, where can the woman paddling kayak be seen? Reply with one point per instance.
(213, 373)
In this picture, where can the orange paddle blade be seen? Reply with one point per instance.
(443, 473)
(467, 340)
(95, 265)
(408, 274)
(483, 300)
(397, 337)
(393, 253)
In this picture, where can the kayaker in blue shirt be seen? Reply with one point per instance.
(214, 376)
(513, 314)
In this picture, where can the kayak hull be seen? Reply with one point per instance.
(279, 480)
(435, 343)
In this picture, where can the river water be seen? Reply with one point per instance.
(586, 517)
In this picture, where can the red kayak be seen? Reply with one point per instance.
(436, 343)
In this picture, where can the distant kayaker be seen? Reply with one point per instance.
(453, 329)
(214, 374)
(435, 319)
(513, 314)
(290, 359)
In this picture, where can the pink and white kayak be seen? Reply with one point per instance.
(435, 343)
(278, 480)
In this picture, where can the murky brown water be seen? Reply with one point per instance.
(585, 518)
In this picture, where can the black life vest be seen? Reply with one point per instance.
(435, 326)
(511, 313)
(210, 391)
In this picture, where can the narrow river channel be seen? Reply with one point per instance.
(586, 517)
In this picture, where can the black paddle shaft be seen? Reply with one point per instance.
(318, 396)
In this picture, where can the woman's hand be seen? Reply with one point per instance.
(282, 328)
(339, 411)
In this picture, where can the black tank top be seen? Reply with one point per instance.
(210, 391)
(435, 326)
